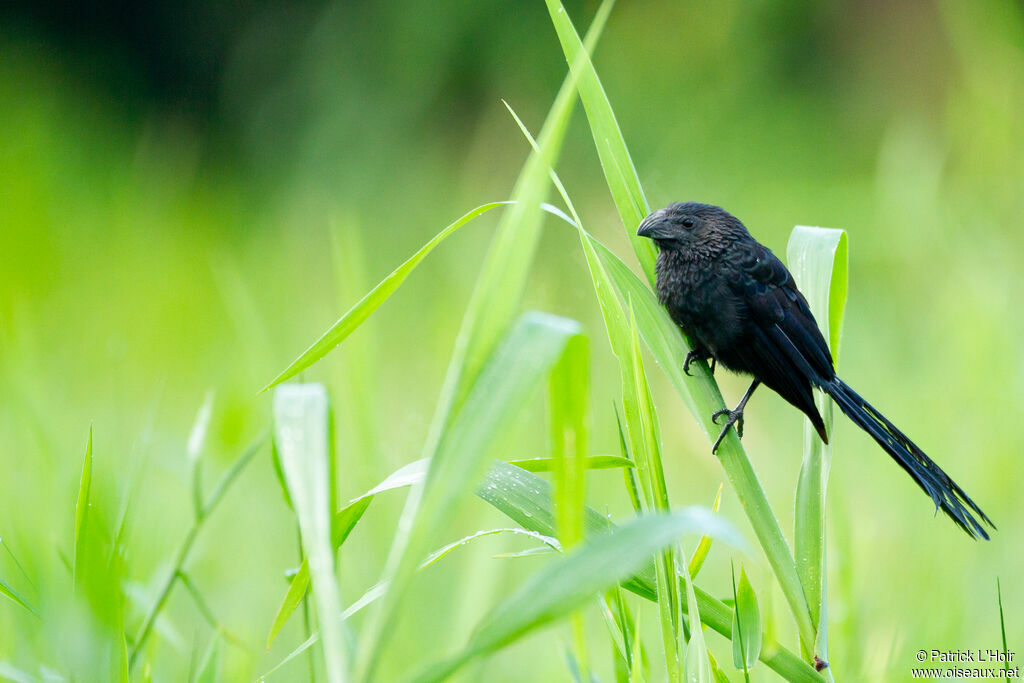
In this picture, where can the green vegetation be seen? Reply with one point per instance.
(324, 550)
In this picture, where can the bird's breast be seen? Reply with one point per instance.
(698, 297)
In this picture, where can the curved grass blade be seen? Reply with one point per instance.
(526, 498)
(358, 314)
(568, 583)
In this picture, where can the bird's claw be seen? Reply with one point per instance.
(696, 354)
(735, 418)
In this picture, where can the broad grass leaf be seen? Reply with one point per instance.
(818, 261)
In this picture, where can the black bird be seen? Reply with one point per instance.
(739, 306)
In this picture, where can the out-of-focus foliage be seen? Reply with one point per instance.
(153, 248)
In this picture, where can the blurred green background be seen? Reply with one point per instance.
(190, 193)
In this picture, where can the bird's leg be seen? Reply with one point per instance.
(697, 354)
(735, 415)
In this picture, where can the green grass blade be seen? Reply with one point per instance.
(568, 409)
(194, 451)
(590, 462)
(568, 390)
(345, 520)
(182, 553)
(342, 524)
(82, 505)
(11, 594)
(526, 355)
(526, 498)
(642, 427)
(704, 547)
(207, 670)
(1002, 624)
(568, 583)
(406, 475)
(301, 429)
(616, 161)
(818, 260)
(229, 476)
(716, 671)
(746, 649)
(697, 663)
(292, 598)
(358, 314)
(638, 668)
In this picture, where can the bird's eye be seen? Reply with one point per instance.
(687, 222)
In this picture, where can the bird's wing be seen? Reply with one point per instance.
(786, 350)
(778, 308)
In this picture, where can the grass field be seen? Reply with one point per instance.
(157, 502)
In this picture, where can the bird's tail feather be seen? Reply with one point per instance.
(928, 475)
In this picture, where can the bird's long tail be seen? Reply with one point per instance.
(944, 491)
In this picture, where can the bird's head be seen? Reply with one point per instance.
(688, 225)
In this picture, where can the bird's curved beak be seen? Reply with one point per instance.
(653, 226)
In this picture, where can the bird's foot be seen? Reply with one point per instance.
(697, 354)
(735, 417)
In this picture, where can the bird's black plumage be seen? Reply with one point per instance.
(739, 306)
